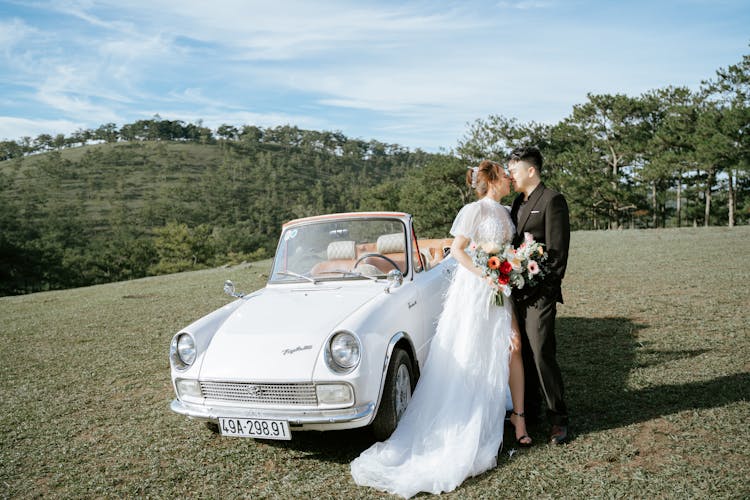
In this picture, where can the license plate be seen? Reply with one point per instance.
(255, 428)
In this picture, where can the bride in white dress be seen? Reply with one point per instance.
(453, 426)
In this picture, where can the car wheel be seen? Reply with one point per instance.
(399, 384)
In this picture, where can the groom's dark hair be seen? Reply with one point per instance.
(530, 155)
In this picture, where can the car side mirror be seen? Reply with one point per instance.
(230, 290)
(395, 279)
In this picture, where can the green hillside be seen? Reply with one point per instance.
(106, 177)
(122, 210)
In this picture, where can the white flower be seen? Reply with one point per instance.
(515, 263)
(490, 247)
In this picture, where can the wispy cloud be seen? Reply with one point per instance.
(415, 72)
(13, 128)
(14, 32)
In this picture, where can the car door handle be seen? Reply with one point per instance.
(412, 303)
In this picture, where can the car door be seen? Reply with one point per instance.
(431, 284)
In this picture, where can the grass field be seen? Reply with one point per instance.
(653, 340)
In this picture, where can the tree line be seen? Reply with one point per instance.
(155, 129)
(667, 158)
(159, 196)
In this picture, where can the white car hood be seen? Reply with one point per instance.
(267, 337)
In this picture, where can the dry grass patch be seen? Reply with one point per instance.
(653, 342)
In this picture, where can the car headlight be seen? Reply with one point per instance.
(188, 388)
(343, 352)
(334, 394)
(182, 351)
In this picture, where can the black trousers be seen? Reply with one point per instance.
(536, 320)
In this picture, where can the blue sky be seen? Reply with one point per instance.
(413, 73)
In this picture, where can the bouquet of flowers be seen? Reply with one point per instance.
(511, 267)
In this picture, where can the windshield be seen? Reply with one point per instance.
(340, 250)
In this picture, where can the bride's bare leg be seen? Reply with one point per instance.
(516, 383)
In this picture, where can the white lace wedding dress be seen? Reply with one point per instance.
(453, 426)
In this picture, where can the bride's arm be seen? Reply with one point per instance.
(459, 253)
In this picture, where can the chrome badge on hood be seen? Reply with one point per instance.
(296, 349)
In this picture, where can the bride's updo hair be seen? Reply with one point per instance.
(480, 177)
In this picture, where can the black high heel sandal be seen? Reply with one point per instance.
(519, 440)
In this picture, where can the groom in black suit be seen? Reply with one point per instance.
(542, 212)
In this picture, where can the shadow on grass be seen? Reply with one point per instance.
(598, 354)
(333, 446)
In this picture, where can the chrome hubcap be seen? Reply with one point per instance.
(403, 390)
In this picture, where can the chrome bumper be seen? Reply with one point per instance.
(358, 414)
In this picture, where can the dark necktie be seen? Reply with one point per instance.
(522, 210)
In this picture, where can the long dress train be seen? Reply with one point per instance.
(453, 426)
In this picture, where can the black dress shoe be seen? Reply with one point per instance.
(558, 434)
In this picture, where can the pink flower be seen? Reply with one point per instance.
(533, 267)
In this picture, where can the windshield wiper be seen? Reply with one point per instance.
(297, 275)
(350, 273)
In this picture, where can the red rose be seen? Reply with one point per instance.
(503, 279)
(505, 267)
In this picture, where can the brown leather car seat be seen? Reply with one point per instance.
(341, 257)
(392, 246)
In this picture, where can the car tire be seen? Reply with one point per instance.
(399, 384)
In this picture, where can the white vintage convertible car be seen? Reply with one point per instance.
(335, 340)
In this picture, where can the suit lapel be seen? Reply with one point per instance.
(536, 195)
(514, 208)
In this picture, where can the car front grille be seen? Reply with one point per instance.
(272, 394)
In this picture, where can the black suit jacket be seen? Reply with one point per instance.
(548, 222)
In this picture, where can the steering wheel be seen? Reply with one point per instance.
(378, 255)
